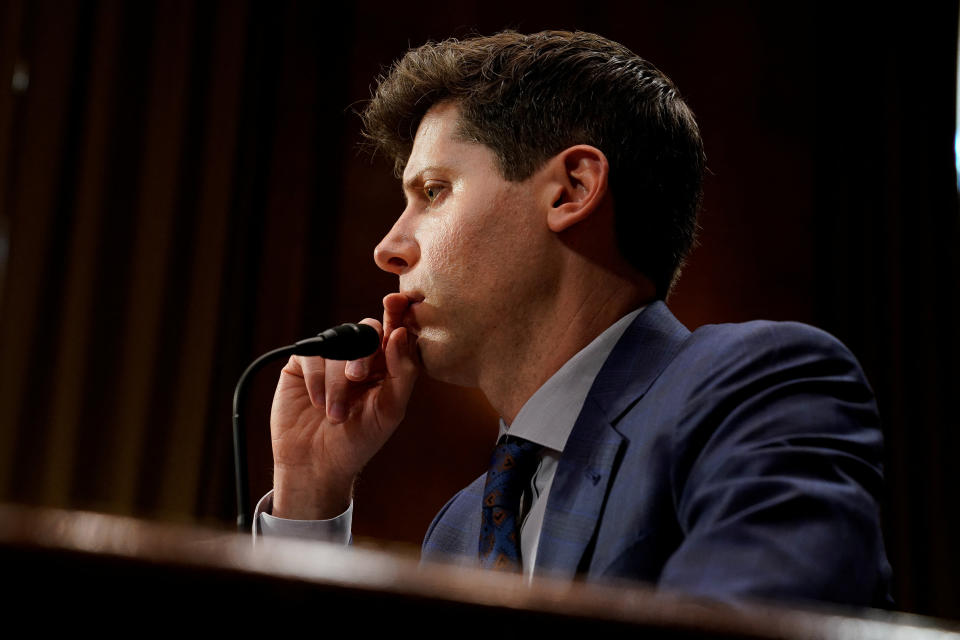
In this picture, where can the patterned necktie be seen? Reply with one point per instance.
(511, 469)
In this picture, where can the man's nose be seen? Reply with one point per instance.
(398, 251)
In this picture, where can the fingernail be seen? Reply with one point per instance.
(338, 412)
(357, 369)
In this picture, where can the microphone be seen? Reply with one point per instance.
(344, 342)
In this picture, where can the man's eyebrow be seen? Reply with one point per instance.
(414, 181)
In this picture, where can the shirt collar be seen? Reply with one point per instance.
(547, 418)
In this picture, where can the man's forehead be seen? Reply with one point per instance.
(439, 144)
(435, 133)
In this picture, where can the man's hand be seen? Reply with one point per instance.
(330, 417)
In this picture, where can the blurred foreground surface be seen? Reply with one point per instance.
(69, 568)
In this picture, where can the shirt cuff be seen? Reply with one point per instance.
(335, 530)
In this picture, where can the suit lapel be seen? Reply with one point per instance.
(578, 490)
(589, 460)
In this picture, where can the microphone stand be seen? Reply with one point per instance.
(240, 434)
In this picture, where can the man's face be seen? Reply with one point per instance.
(469, 249)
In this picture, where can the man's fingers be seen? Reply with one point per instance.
(403, 366)
(313, 371)
(337, 391)
(394, 306)
(293, 367)
(358, 370)
(329, 383)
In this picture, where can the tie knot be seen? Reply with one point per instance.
(514, 453)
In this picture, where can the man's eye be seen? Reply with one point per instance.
(431, 192)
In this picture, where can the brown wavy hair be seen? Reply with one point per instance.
(529, 97)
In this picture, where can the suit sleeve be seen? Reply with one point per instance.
(777, 474)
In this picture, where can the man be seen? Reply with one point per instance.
(552, 183)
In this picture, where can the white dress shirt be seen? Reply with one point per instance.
(547, 418)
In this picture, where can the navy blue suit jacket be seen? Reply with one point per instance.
(737, 461)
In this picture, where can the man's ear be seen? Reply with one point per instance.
(578, 185)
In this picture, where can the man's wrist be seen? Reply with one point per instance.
(302, 496)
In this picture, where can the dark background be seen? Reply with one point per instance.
(181, 190)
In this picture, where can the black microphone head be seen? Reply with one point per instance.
(344, 342)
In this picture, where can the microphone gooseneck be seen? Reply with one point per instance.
(344, 342)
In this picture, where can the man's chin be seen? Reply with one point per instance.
(440, 363)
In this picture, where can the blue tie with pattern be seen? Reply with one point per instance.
(511, 469)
